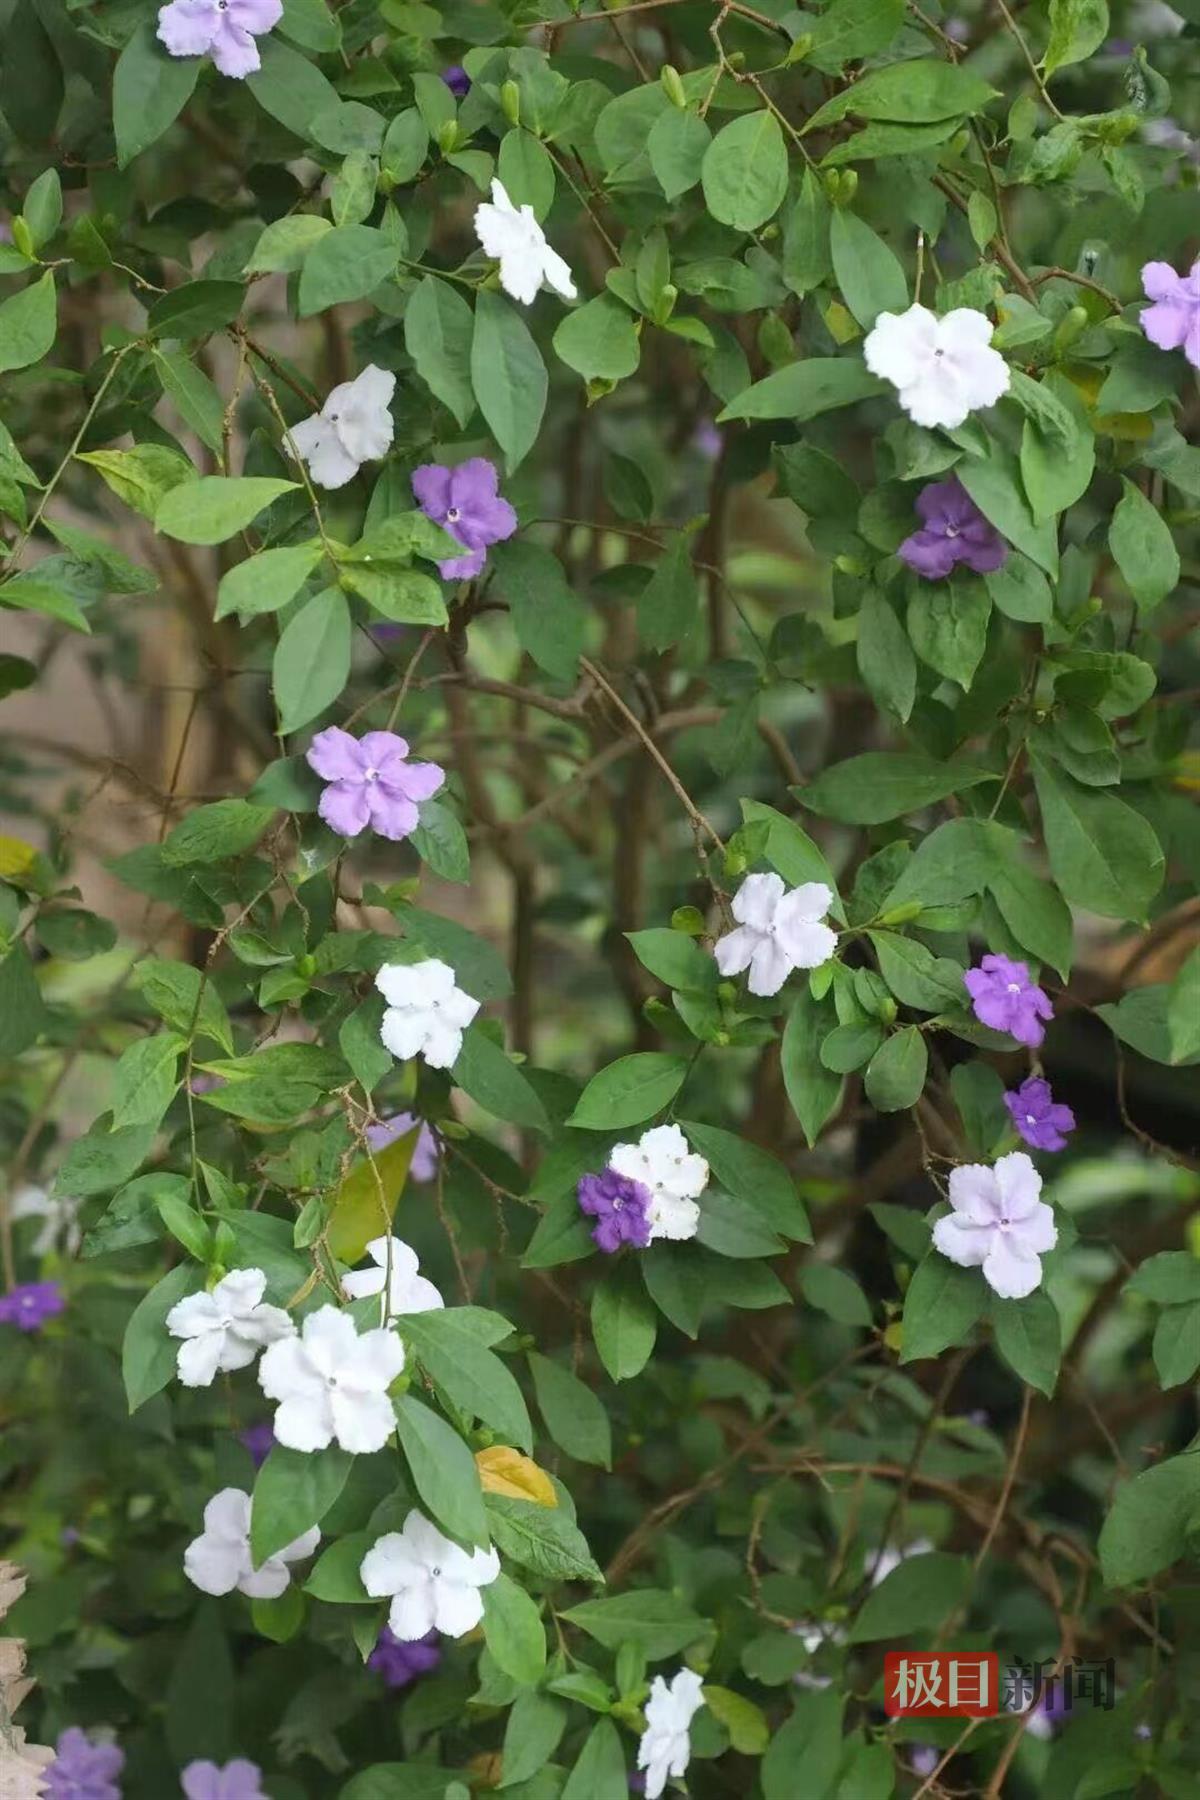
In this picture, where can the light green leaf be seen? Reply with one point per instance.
(745, 171)
(803, 390)
(867, 270)
(28, 322)
(574, 1417)
(599, 340)
(443, 1470)
(214, 507)
(346, 263)
(264, 583)
(508, 376)
(1142, 546)
(312, 659)
(438, 326)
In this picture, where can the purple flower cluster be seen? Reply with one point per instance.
(953, 531)
(466, 502)
(83, 1770)
(1039, 1118)
(371, 782)
(620, 1205)
(30, 1304)
(1005, 997)
(237, 1780)
(400, 1663)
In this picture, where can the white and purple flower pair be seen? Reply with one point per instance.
(648, 1191)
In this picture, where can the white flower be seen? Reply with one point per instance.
(998, 1223)
(225, 1329)
(354, 426)
(666, 1744)
(942, 369)
(778, 930)
(332, 1384)
(408, 1292)
(434, 1586)
(426, 1013)
(219, 1560)
(60, 1212)
(881, 1565)
(526, 260)
(663, 1161)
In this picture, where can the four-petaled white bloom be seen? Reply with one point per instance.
(354, 426)
(998, 1223)
(332, 1384)
(408, 1292)
(227, 1328)
(433, 1584)
(942, 369)
(663, 1161)
(60, 1216)
(426, 1013)
(666, 1744)
(778, 930)
(219, 1560)
(513, 235)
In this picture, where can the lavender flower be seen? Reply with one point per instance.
(30, 1304)
(370, 782)
(1173, 321)
(426, 1151)
(83, 1770)
(400, 1663)
(923, 1759)
(457, 80)
(708, 440)
(622, 1207)
(238, 1780)
(1038, 1117)
(954, 531)
(466, 502)
(1004, 996)
(259, 1440)
(222, 29)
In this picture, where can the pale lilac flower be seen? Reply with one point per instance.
(408, 1291)
(332, 1384)
(259, 1440)
(942, 369)
(431, 1582)
(999, 1223)
(953, 531)
(708, 440)
(400, 1663)
(427, 1012)
(923, 1759)
(513, 235)
(665, 1747)
(30, 1304)
(778, 930)
(663, 1161)
(426, 1151)
(1041, 1120)
(226, 1329)
(370, 782)
(222, 29)
(457, 80)
(1173, 321)
(466, 502)
(353, 427)
(620, 1205)
(83, 1769)
(237, 1780)
(219, 1560)
(1005, 997)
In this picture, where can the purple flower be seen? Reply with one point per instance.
(425, 1152)
(1038, 1117)
(1173, 322)
(621, 1205)
(1004, 997)
(370, 782)
(708, 440)
(206, 1084)
(457, 80)
(30, 1304)
(465, 502)
(923, 1759)
(222, 29)
(398, 1662)
(238, 1780)
(954, 531)
(82, 1770)
(259, 1440)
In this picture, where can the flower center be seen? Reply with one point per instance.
(1005, 1222)
(939, 353)
(1029, 1119)
(952, 531)
(453, 515)
(1014, 987)
(435, 1572)
(618, 1203)
(371, 775)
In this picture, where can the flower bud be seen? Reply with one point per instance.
(1072, 325)
(672, 85)
(510, 102)
(664, 306)
(22, 236)
(448, 132)
(800, 48)
(902, 914)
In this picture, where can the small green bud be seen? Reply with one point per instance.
(689, 920)
(902, 914)
(1072, 325)
(306, 965)
(737, 60)
(448, 133)
(510, 102)
(664, 306)
(887, 1010)
(22, 236)
(672, 85)
(847, 565)
(848, 186)
(727, 991)
(735, 863)
(800, 48)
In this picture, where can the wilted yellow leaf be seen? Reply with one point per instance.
(16, 856)
(366, 1200)
(506, 1471)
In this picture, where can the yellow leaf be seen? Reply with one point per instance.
(505, 1471)
(16, 856)
(366, 1200)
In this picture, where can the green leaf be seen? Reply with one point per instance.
(867, 270)
(214, 507)
(195, 309)
(599, 340)
(547, 615)
(676, 147)
(531, 1735)
(668, 604)
(189, 1004)
(197, 400)
(994, 484)
(806, 260)
(1183, 1009)
(514, 1631)
(28, 322)
(312, 659)
(810, 1739)
(1177, 1344)
(658, 1623)
(908, 92)
(440, 840)
(745, 171)
(145, 1080)
(599, 1772)
(286, 242)
(23, 1015)
(896, 1073)
(791, 851)
(443, 1470)
(948, 624)
(438, 327)
(1077, 28)
(850, 30)
(813, 1091)
(915, 975)
(1021, 591)
(803, 390)
(476, 1380)
(574, 1417)
(495, 1082)
(508, 377)
(293, 1491)
(141, 477)
(541, 1538)
(346, 126)
(675, 958)
(211, 833)
(942, 1304)
(885, 657)
(882, 785)
(1172, 1278)
(290, 87)
(147, 1353)
(1029, 1338)
(834, 1292)
(1147, 1525)
(265, 582)
(754, 1177)
(525, 168)
(624, 1324)
(150, 90)
(917, 1596)
(405, 147)
(629, 1090)
(1103, 855)
(347, 263)
(1142, 546)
